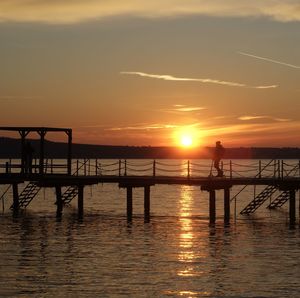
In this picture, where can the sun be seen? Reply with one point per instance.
(186, 140)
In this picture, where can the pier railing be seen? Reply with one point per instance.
(176, 168)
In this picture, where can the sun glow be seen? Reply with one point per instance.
(187, 137)
(186, 141)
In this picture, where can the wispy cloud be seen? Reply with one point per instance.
(154, 126)
(184, 108)
(167, 77)
(249, 118)
(66, 11)
(269, 60)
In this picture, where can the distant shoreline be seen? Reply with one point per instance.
(11, 148)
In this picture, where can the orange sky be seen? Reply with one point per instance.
(140, 72)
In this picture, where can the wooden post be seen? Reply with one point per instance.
(15, 199)
(188, 169)
(129, 203)
(154, 168)
(80, 201)
(125, 165)
(7, 167)
(69, 160)
(147, 203)
(259, 169)
(212, 206)
(96, 167)
(59, 202)
(292, 209)
(120, 166)
(42, 134)
(23, 136)
(230, 164)
(226, 205)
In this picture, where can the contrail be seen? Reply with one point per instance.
(213, 81)
(270, 60)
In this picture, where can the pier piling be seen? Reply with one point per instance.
(59, 202)
(292, 207)
(15, 198)
(147, 203)
(212, 206)
(80, 201)
(129, 202)
(226, 206)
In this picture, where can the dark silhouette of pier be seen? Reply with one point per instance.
(73, 175)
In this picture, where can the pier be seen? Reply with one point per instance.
(276, 176)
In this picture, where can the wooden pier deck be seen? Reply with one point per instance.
(209, 184)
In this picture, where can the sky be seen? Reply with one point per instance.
(145, 73)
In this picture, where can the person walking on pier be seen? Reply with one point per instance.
(218, 155)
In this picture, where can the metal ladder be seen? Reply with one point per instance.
(70, 193)
(27, 194)
(259, 200)
(280, 200)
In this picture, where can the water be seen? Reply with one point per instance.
(177, 254)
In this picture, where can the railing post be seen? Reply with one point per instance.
(278, 168)
(188, 169)
(10, 165)
(51, 165)
(230, 165)
(7, 167)
(96, 167)
(259, 169)
(274, 174)
(299, 170)
(77, 169)
(120, 165)
(125, 167)
(89, 166)
(84, 163)
(282, 169)
(154, 168)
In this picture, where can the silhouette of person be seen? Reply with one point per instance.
(218, 154)
(28, 154)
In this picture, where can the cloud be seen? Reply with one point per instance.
(201, 80)
(249, 118)
(269, 60)
(189, 109)
(143, 127)
(67, 12)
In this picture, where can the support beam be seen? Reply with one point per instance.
(23, 154)
(42, 134)
(16, 204)
(226, 206)
(69, 160)
(292, 207)
(212, 206)
(59, 202)
(80, 201)
(129, 203)
(147, 203)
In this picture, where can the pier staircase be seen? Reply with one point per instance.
(280, 200)
(27, 194)
(259, 200)
(70, 193)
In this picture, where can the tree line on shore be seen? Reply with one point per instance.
(11, 148)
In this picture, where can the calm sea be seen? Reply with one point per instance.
(177, 254)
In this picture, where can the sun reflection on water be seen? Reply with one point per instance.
(191, 251)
